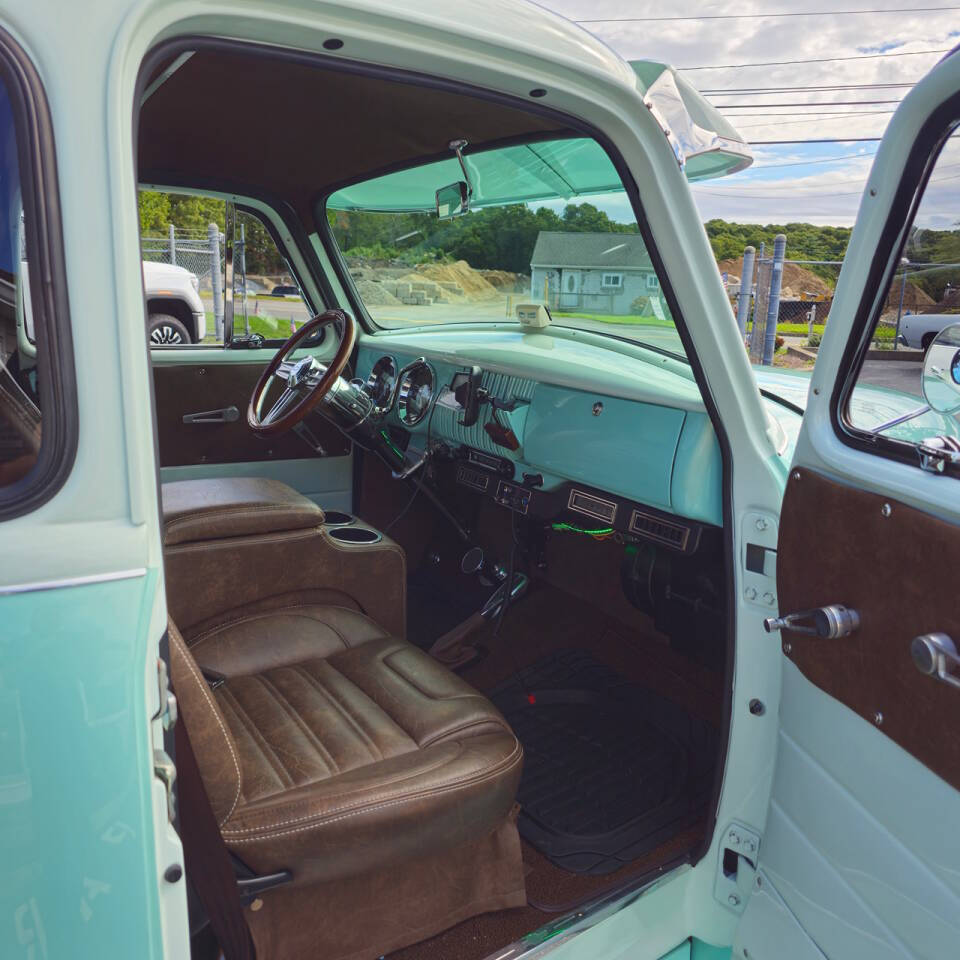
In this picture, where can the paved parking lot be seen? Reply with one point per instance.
(895, 374)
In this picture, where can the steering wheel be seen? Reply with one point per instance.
(307, 380)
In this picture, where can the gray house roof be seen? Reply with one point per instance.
(590, 251)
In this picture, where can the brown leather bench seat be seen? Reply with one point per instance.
(333, 749)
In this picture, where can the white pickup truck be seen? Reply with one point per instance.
(919, 330)
(175, 312)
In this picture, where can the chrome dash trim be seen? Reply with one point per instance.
(39, 585)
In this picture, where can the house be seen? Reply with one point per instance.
(606, 273)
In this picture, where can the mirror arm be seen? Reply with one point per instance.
(896, 421)
(458, 146)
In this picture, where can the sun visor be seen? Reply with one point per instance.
(705, 144)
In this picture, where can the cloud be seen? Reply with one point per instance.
(772, 192)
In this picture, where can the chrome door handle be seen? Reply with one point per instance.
(827, 623)
(933, 654)
(223, 415)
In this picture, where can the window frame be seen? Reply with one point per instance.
(606, 285)
(918, 169)
(656, 281)
(39, 185)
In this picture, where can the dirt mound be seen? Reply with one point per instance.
(507, 282)
(797, 280)
(375, 294)
(914, 299)
(471, 282)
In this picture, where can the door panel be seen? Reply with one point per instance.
(187, 388)
(897, 567)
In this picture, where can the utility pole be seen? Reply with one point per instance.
(904, 263)
(746, 289)
(173, 244)
(773, 304)
(213, 237)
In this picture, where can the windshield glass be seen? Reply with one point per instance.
(546, 222)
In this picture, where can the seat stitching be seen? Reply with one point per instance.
(259, 740)
(283, 536)
(503, 766)
(291, 711)
(375, 751)
(436, 791)
(188, 659)
(264, 614)
(384, 659)
(261, 614)
(455, 730)
(386, 782)
(254, 508)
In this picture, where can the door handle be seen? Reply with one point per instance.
(933, 654)
(827, 623)
(223, 415)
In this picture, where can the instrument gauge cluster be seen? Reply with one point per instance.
(381, 385)
(416, 392)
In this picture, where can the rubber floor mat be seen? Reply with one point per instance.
(611, 768)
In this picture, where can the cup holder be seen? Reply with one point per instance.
(355, 535)
(337, 518)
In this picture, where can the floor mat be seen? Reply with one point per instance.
(611, 768)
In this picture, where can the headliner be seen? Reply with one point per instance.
(264, 124)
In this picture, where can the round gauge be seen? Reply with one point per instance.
(381, 385)
(415, 394)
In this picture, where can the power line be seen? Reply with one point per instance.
(787, 63)
(808, 163)
(788, 143)
(816, 115)
(768, 16)
(788, 195)
(812, 119)
(820, 103)
(763, 91)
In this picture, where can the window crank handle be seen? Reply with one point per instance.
(827, 623)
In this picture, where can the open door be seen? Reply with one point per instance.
(860, 855)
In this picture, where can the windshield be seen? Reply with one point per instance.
(546, 222)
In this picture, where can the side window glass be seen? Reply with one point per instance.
(21, 427)
(914, 357)
(267, 297)
(191, 250)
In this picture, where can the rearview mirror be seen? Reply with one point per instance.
(941, 371)
(453, 200)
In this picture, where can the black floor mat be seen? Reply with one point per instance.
(611, 768)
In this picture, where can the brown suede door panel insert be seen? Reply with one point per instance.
(898, 569)
(194, 388)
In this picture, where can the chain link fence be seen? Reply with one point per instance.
(195, 250)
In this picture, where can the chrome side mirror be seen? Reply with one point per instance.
(453, 200)
(941, 371)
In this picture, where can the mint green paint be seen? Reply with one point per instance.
(76, 834)
(707, 951)
(628, 449)
(696, 484)
(681, 952)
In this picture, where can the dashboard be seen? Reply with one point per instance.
(521, 415)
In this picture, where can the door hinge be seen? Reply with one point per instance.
(167, 711)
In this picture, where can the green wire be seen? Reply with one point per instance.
(593, 533)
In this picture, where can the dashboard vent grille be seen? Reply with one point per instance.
(592, 506)
(473, 478)
(647, 525)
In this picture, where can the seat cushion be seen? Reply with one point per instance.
(332, 748)
(214, 509)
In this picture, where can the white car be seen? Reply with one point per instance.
(175, 312)
(919, 330)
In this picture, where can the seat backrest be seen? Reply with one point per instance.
(213, 744)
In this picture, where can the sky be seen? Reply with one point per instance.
(804, 182)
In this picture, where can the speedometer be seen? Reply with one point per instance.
(381, 384)
(416, 393)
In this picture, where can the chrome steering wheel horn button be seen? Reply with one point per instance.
(299, 374)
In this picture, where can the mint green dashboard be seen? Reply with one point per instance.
(579, 407)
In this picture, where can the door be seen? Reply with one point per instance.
(569, 289)
(860, 855)
(202, 384)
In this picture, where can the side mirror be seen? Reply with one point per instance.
(941, 371)
(453, 200)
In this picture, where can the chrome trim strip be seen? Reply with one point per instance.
(72, 581)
